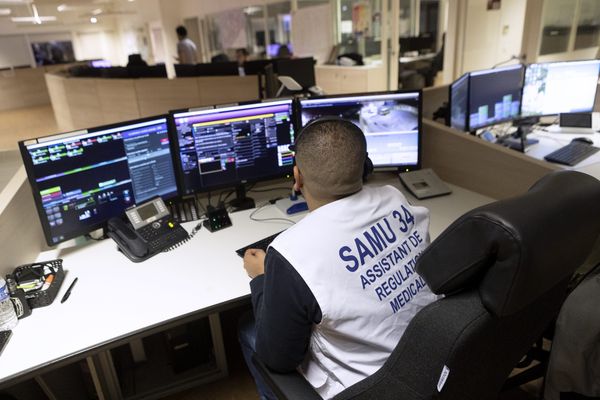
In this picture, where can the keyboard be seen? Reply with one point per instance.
(261, 244)
(4, 336)
(572, 154)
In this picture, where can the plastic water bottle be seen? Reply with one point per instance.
(8, 317)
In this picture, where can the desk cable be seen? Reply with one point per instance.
(190, 236)
(262, 206)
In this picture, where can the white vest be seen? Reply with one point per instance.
(357, 256)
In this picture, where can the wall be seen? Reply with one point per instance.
(492, 36)
(89, 41)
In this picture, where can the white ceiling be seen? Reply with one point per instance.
(73, 11)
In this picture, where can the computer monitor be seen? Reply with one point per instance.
(494, 95)
(273, 49)
(217, 69)
(82, 179)
(459, 103)
(256, 67)
(185, 70)
(391, 122)
(560, 87)
(301, 69)
(233, 145)
(147, 71)
(422, 43)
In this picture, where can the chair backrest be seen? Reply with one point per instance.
(503, 269)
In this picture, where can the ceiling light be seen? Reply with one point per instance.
(35, 20)
(5, 11)
(93, 20)
(61, 8)
(97, 11)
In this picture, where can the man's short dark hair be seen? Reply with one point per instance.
(330, 155)
(242, 50)
(181, 31)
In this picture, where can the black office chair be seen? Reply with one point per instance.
(504, 270)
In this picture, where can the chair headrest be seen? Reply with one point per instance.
(515, 250)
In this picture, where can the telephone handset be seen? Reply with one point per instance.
(151, 231)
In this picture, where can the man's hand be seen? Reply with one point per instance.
(254, 262)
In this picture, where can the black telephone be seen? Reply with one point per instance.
(152, 230)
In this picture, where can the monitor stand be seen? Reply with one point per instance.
(241, 202)
(518, 141)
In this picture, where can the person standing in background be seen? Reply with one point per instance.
(186, 48)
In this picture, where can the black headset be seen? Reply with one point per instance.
(368, 166)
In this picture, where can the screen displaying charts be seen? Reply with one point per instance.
(494, 95)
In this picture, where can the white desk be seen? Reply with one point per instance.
(553, 141)
(116, 300)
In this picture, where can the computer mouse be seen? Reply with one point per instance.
(296, 208)
(583, 140)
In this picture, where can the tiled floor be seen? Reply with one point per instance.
(25, 123)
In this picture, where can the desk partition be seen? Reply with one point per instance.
(83, 102)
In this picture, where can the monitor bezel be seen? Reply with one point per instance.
(27, 162)
(556, 62)
(468, 78)
(174, 140)
(403, 168)
(473, 129)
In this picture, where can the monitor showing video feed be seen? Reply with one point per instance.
(82, 179)
(391, 122)
(459, 103)
(560, 87)
(494, 95)
(230, 146)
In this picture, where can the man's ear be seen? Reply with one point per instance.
(298, 179)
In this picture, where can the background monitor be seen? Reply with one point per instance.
(217, 69)
(229, 146)
(459, 103)
(560, 87)
(301, 69)
(391, 122)
(82, 179)
(494, 95)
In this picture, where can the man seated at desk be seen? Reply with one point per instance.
(335, 292)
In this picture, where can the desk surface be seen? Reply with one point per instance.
(550, 142)
(116, 299)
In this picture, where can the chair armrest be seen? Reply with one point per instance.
(290, 386)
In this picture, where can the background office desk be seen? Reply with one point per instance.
(116, 300)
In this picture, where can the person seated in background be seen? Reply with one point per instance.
(284, 52)
(221, 57)
(317, 292)
(241, 56)
(136, 60)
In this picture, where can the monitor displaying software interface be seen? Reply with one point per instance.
(232, 145)
(494, 95)
(82, 179)
(459, 103)
(560, 87)
(391, 123)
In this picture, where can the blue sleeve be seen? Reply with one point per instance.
(285, 310)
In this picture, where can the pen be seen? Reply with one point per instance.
(68, 293)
